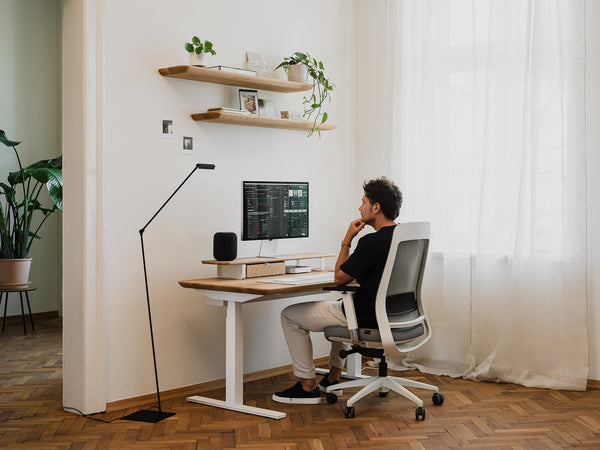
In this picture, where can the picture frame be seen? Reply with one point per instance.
(167, 128)
(188, 144)
(249, 101)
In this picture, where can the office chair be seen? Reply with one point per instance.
(402, 323)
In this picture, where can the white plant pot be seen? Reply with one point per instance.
(14, 273)
(298, 72)
(198, 59)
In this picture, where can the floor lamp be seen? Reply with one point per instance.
(149, 415)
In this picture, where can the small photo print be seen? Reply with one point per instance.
(249, 101)
(167, 128)
(188, 144)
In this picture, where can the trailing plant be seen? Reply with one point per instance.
(197, 46)
(321, 87)
(21, 202)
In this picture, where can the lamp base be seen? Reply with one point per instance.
(148, 415)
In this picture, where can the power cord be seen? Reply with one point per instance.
(89, 416)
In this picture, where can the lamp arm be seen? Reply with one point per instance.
(196, 167)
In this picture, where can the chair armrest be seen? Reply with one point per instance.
(408, 323)
(343, 288)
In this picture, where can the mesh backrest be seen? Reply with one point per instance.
(406, 277)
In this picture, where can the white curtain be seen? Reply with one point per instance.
(486, 131)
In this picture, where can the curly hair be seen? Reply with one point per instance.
(382, 190)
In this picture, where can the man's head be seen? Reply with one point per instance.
(382, 195)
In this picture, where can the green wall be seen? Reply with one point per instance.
(30, 100)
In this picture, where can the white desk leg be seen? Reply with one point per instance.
(234, 369)
(234, 354)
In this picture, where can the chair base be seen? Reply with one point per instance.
(384, 384)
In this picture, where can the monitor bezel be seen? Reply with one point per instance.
(244, 221)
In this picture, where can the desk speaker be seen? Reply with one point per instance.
(225, 246)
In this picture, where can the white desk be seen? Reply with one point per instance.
(232, 294)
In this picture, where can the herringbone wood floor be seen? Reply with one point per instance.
(474, 415)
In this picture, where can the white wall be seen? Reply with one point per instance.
(30, 112)
(141, 168)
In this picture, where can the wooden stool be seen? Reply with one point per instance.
(26, 290)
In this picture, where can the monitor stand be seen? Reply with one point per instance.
(268, 248)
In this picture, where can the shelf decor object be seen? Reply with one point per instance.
(257, 121)
(150, 415)
(233, 79)
(299, 67)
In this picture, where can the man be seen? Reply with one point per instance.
(379, 209)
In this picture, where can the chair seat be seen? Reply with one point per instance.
(341, 333)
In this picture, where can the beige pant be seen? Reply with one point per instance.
(298, 320)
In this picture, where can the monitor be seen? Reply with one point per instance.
(274, 210)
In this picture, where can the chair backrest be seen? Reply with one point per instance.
(398, 303)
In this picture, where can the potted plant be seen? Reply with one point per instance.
(198, 50)
(298, 67)
(19, 205)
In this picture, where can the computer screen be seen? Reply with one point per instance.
(274, 210)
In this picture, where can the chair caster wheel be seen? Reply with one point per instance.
(349, 412)
(437, 398)
(420, 413)
(331, 398)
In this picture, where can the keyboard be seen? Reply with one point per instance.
(319, 277)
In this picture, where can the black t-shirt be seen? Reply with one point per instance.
(366, 265)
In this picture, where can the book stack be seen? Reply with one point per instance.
(227, 110)
(234, 70)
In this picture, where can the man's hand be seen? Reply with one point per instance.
(354, 229)
(342, 277)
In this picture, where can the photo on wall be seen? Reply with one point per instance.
(167, 128)
(188, 144)
(249, 101)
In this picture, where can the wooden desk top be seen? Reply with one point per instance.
(251, 285)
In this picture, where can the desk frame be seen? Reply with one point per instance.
(228, 295)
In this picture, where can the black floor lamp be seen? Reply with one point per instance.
(150, 415)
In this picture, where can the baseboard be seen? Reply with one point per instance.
(593, 384)
(41, 315)
(144, 400)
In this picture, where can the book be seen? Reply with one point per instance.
(234, 70)
(227, 110)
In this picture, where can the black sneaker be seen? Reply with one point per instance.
(296, 394)
(324, 384)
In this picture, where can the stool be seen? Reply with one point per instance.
(4, 293)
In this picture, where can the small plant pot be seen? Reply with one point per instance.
(298, 73)
(14, 273)
(198, 59)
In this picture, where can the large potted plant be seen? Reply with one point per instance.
(299, 67)
(19, 206)
(198, 50)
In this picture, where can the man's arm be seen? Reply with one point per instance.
(340, 276)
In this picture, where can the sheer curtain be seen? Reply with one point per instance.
(486, 128)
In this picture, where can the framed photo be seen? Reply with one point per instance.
(249, 101)
(167, 128)
(188, 144)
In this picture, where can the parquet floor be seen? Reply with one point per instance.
(474, 415)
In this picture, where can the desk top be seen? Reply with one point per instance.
(251, 285)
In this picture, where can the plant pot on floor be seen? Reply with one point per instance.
(14, 273)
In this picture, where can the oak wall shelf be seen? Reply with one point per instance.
(233, 79)
(257, 121)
